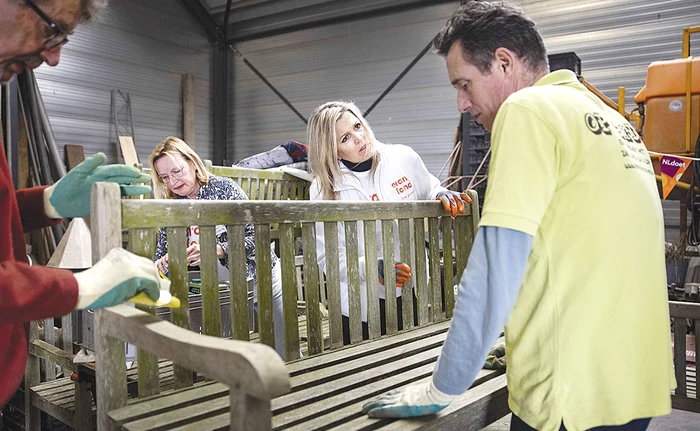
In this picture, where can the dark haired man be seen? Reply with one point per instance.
(569, 255)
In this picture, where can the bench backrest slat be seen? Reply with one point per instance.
(177, 272)
(312, 285)
(370, 227)
(238, 283)
(448, 260)
(330, 230)
(289, 292)
(142, 242)
(211, 307)
(353, 271)
(265, 184)
(406, 256)
(389, 276)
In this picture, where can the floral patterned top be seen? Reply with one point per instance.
(223, 189)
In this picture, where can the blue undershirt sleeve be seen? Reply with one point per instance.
(487, 293)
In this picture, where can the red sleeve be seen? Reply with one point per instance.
(31, 209)
(33, 293)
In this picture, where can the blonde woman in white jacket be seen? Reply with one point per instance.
(349, 163)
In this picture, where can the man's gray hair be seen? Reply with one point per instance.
(91, 8)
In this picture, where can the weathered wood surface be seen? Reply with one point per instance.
(328, 390)
(265, 184)
(253, 370)
(154, 212)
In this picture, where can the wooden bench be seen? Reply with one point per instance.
(265, 184)
(685, 397)
(379, 364)
(74, 407)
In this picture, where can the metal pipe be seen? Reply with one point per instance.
(399, 78)
(268, 83)
(48, 131)
(39, 142)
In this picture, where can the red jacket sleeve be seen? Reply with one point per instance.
(31, 209)
(33, 293)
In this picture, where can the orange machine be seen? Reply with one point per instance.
(666, 124)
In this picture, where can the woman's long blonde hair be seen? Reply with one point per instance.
(170, 147)
(323, 144)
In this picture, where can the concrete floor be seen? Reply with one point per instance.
(678, 420)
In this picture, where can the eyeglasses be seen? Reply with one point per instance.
(58, 36)
(174, 174)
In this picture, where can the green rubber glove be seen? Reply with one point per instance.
(70, 196)
(117, 277)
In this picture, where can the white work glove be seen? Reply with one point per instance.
(117, 277)
(419, 399)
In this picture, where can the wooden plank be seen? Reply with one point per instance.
(263, 274)
(64, 415)
(74, 154)
(289, 294)
(434, 263)
(188, 110)
(167, 402)
(352, 265)
(389, 276)
(311, 280)
(52, 355)
(32, 377)
(333, 410)
(679, 356)
(372, 282)
(448, 268)
(142, 242)
(253, 368)
(126, 143)
(239, 284)
(178, 212)
(364, 349)
(462, 237)
(110, 353)
(684, 310)
(333, 284)
(177, 268)
(422, 293)
(405, 256)
(185, 414)
(211, 306)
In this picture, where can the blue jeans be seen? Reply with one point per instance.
(517, 424)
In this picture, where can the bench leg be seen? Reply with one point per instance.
(248, 413)
(32, 415)
(83, 406)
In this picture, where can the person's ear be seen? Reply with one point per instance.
(505, 59)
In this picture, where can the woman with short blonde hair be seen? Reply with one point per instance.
(178, 173)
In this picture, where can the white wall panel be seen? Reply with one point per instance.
(616, 40)
(139, 47)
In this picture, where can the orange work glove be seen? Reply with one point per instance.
(403, 272)
(453, 201)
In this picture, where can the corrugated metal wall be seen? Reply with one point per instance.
(139, 47)
(615, 39)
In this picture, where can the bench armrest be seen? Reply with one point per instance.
(255, 369)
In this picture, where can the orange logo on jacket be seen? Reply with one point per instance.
(402, 185)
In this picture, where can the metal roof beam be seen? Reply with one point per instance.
(266, 19)
(204, 18)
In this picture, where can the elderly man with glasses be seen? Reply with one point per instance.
(32, 33)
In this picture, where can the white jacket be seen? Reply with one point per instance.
(400, 176)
